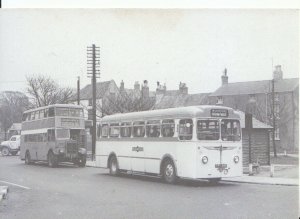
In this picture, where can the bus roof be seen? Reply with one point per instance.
(54, 105)
(171, 113)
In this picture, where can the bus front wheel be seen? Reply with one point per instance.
(81, 161)
(52, 160)
(113, 166)
(169, 172)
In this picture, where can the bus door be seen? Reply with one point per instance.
(137, 147)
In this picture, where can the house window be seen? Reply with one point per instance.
(277, 134)
(90, 114)
(220, 100)
(276, 97)
(277, 111)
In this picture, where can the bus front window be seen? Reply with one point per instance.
(63, 133)
(208, 130)
(230, 130)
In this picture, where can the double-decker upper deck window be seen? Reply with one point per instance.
(153, 128)
(24, 117)
(42, 114)
(104, 131)
(51, 112)
(138, 129)
(76, 112)
(126, 129)
(208, 130)
(185, 129)
(60, 111)
(230, 130)
(168, 128)
(114, 130)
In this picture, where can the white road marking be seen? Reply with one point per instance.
(13, 184)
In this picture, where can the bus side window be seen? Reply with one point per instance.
(104, 131)
(153, 128)
(168, 128)
(114, 130)
(125, 129)
(185, 129)
(138, 129)
(51, 135)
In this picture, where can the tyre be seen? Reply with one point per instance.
(52, 160)
(81, 161)
(169, 172)
(5, 151)
(27, 158)
(113, 166)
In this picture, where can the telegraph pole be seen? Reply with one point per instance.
(78, 90)
(93, 71)
(273, 117)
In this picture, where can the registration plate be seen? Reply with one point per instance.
(222, 166)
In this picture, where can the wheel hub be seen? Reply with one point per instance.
(169, 170)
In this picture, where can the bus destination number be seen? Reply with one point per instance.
(219, 112)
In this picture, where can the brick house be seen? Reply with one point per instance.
(256, 96)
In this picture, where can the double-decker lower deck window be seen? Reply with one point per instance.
(230, 130)
(168, 128)
(63, 133)
(126, 129)
(208, 130)
(114, 130)
(139, 129)
(185, 129)
(153, 128)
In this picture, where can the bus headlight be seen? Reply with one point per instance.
(236, 159)
(82, 150)
(204, 160)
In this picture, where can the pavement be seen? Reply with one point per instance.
(286, 175)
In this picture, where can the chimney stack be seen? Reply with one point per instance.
(183, 89)
(277, 73)
(224, 77)
(161, 89)
(122, 88)
(145, 89)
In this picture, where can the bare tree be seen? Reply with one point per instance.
(44, 91)
(12, 105)
(123, 103)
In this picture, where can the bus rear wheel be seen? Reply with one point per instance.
(169, 172)
(52, 160)
(113, 166)
(27, 158)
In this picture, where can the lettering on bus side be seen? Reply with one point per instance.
(137, 149)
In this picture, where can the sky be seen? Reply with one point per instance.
(167, 45)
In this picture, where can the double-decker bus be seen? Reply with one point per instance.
(196, 142)
(53, 133)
